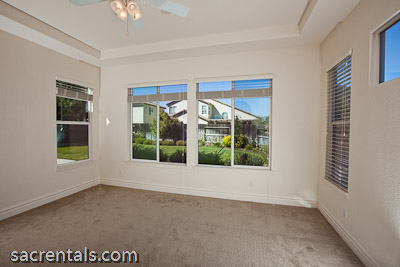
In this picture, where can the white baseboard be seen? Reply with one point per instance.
(357, 248)
(289, 201)
(31, 204)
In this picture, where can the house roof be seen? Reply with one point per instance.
(241, 110)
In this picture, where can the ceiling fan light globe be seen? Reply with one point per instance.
(132, 7)
(137, 16)
(117, 6)
(123, 15)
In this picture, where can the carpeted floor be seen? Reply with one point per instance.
(174, 230)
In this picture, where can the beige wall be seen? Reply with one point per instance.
(28, 158)
(295, 127)
(372, 224)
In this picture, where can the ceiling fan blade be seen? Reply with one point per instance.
(170, 6)
(155, 3)
(137, 24)
(85, 2)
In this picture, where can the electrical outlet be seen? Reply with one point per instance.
(251, 183)
(344, 213)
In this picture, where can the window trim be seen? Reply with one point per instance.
(375, 49)
(332, 123)
(130, 116)
(84, 162)
(235, 78)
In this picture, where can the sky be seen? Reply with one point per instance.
(392, 52)
(258, 106)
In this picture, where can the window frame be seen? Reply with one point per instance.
(382, 50)
(236, 78)
(130, 124)
(375, 50)
(89, 123)
(330, 124)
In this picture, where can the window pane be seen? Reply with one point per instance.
(251, 131)
(72, 110)
(173, 125)
(252, 84)
(72, 143)
(144, 131)
(176, 88)
(391, 53)
(215, 86)
(214, 126)
(144, 91)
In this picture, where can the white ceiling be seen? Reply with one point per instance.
(210, 23)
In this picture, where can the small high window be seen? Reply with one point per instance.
(389, 66)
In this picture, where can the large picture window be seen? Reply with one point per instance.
(338, 124)
(73, 122)
(235, 130)
(159, 123)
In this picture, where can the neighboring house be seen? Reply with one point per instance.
(143, 115)
(214, 120)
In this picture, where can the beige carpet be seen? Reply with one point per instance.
(174, 230)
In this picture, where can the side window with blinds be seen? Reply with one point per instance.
(73, 122)
(234, 122)
(159, 123)
(338, 124)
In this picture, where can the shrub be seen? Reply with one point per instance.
(139, 140)
(181, 143)
(212, 158)
(249, 147)
(241, 141)
(249, 159)
(167, 143)
(202, 142)
(227, 141)
(163, 156)
(144, 152)
(217, 144)
(148, 142)
(178, 156)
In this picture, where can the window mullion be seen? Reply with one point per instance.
(158, 132)
(232, 131)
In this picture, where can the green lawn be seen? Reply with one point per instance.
(73, 152)
(168, 150)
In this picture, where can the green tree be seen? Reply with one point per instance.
(170, 127)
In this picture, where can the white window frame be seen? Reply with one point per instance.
(236, 78)
(130, 116)
(58, 122)
(375, 49)
(331, 124)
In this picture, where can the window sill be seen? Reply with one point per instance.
(255, 168)
(153, 162)
(337, 188)
(74, 165)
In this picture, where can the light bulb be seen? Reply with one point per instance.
(123, 13)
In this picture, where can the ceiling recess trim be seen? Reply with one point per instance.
(35, 24)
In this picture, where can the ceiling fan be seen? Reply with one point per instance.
(129, 9)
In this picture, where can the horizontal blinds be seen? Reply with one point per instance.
(69, 90)
(235, 89)
(157, 93)
(267, 92)
(338, 124)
